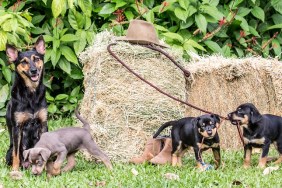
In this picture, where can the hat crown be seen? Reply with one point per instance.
(142, 30)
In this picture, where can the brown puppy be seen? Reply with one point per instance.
(61, 144)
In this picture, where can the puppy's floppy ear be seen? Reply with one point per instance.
(255, 116)
(195, 122)
(26, 154)
(45, 154)
(216, 118)
(40, 45)
(12, 53)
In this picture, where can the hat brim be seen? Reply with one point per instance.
(138, 41)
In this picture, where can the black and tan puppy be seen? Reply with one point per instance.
(200, 133)
(259, 131)
(54, 147)
(26, 115)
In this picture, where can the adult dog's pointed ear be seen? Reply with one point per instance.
(255, 116)
(45, 154)
(26, 154)
(40, 45)
(12, 53)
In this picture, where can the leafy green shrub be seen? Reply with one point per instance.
(231, 28)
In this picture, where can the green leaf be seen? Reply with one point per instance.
(277, 26)
(65, 65)
(277, 5)
(57, 7)
(36, 19)
(3, 40)
(276, 47)
(226, 51)
(49, 97)
(194, 44)
(201, 22)
(72, 20)
(75, 91)
(7, 74)
(212, 11)
(277, 18)
(181, 13)
(129, 15)
(120, 4)
(2, 105)
(52, 108)
(86, 6)
(258, 13)
(244, 24)
(191, 10)
(184, 4)
(48, 38)
(4, 93)
(243, 11)
(69, 38)
(173, 36)
(77, 20)
(80, 44)
(239, 51)
(56, 54)
(253, 31)
(61, 97)
(69, 54)
(213, 46)
(150, 16)
(107, 9)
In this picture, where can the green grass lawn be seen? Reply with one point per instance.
(90, 174)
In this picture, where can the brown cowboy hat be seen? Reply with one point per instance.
(141, 32)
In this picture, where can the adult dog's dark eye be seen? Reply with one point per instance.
(24, 62)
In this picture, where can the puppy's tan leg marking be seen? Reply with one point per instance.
(179, 158)
(262, 162)
(279, 160)
(216, 155)
(174, 159)
(247, 160)
(71, 163)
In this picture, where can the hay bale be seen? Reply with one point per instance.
(122, 109)
(221, 84)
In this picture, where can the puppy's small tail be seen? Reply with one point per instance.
(85, 123)
(165, 125)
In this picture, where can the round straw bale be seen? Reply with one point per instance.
(124, 111)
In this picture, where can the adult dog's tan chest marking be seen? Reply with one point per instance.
(22, 117)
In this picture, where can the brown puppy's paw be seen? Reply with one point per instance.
(16, 175)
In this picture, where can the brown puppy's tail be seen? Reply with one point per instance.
(165, 125)
(85, 123)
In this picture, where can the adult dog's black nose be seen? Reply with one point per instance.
(33, 70)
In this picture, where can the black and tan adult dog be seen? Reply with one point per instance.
(259, 131)
(200, 133)
(27, 110)
(54, 147)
